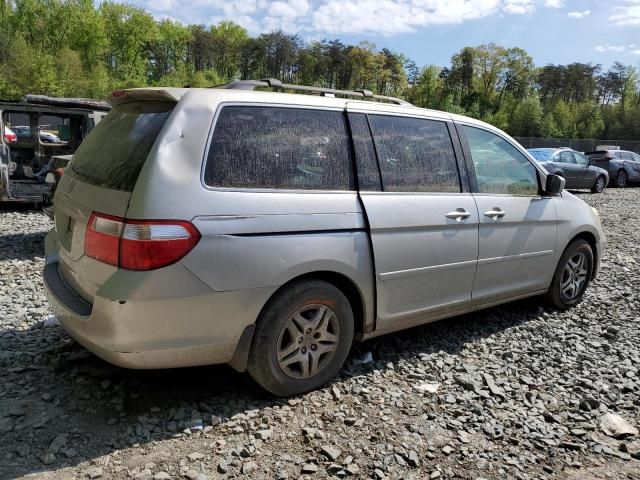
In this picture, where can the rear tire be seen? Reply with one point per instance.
(598, 187)
(622, 179)
(302, 338)
(572, 276)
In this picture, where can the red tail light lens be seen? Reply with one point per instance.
(138, 244)
(148, 245)
(102, 238)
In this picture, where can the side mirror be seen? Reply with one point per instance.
(555, 184)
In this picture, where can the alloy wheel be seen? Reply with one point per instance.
(622, 179)
(574, 276)
(308, 340)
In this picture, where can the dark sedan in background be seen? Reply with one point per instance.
(578, 171)
(623, 166)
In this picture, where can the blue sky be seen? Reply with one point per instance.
(430, 31)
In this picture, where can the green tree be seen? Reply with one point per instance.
(428, 85)
(228, 39)
(548, 126)
(527, 118)
(130, 30)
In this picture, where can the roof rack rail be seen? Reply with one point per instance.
(325, 92)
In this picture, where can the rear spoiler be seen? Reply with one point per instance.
(85, 103)
(149, 94)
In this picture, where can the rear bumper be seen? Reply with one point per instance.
(165, 318)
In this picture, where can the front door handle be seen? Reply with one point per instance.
(495, 213)
(458, 215)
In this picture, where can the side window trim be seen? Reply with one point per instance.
(220, 106)
(463, 157)
(471, 167)
(351, 119)
(468, 159)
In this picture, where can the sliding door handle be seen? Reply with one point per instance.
(458, 215)
(495, 213)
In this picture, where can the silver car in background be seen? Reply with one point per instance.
(270, 230)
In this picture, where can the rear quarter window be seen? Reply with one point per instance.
(113, 155)
(279, 148)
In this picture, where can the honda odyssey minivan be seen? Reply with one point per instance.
(271, 230)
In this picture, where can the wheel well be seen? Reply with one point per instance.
(342, 283)
(591, 240)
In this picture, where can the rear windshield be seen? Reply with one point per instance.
(113, 155)
(542, 155)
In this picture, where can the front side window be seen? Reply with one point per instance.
(279, 148)
(500, 167)
(414, 154)
(636, 157)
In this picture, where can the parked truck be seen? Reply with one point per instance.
(38, 136)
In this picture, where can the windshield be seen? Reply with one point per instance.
(542, 155)
(114, 153)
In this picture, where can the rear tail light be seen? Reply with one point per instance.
(10, 137)
(138, 244)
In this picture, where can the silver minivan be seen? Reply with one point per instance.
(270, 230)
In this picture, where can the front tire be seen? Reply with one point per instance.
(598, 187)
(572, 276)
(622, 179)
(302, 338)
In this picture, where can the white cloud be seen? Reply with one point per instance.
(611, 48)
(519, 7)
(289, 9)
(388, 17)
(163, 5)
(632, 49)
(381, 17)
(284, 15)
(626, 14)
(586, 13)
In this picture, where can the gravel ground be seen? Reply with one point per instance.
(512, 392)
